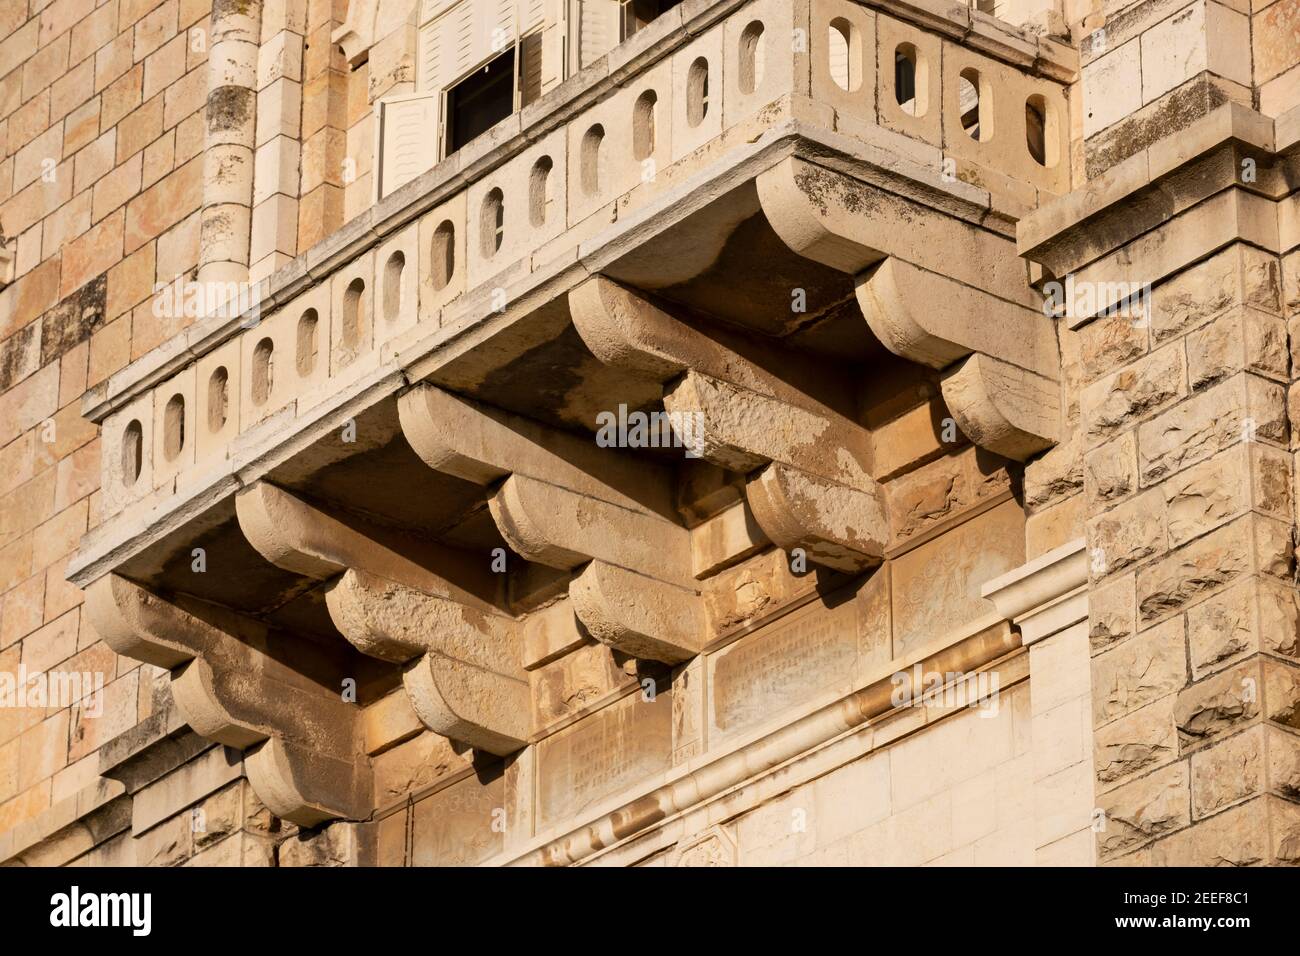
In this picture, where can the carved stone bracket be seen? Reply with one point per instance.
(565, 503)
(813, 487)
(230, 687)
(935, 289)
(420, 605)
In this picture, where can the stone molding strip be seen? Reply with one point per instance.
(1046, 595)
(1153, 186)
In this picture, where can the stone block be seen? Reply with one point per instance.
(1136, 743)
(1133, 394)
(1144, 809)
(1143, 669)
(1228, 772)
(1128, 534)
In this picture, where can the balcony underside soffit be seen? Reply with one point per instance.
(789, 319)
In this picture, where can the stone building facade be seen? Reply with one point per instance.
(716, 432)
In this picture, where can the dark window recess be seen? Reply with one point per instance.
(1035, 131)
(904, 78)
(481, 100)
(530, 69)
(638, 13)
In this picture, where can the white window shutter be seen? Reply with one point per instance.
(495, 27)
(408, 138)
(532, 14)
(598, 27)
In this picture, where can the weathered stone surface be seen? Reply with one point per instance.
(561, 529)
(626, 742)
(1136, 743)
(930, 319)
(1243, 340)
(1056, 474)
(1230, 771)
(810, 651)
(936, 585)
(463, 824)
(1133, 394)
(464, 681)
(1112, 609)
(1240, 275)
(637, 615)
(1110, 341)
(1207, 564)
(1237, 837)
(742, 430)
(583, 678)
(1128, 534)
(1207, 495)
(1257, 614)
(416, 765)
(832, 524)
(1006, 409)
(1144, 809)
(938, 493)
(1110, 471)
(1242, 408)
(339, 844)
(741, 595)
(1282, 692)
(1218, 705)
(1145, 668)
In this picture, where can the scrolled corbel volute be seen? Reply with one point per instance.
(393, 600)
(931, 319)
(356, 35)
(626, 330)
(462, 669)
(1003, 408)
(836, 526)
(304, 764)
(637, 615)
(563, 529)
(741, 430)
(811, 208)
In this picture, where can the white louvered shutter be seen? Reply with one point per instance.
(598, 26)
(408, 138)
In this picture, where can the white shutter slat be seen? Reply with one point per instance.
(597, 29)
(408, 138)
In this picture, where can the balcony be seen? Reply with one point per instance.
(782, 218)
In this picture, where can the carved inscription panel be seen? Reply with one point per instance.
(783, 665)
(604, 753)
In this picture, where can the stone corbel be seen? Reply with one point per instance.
(563, 502)
(813, 488)
(836, 526)
(463, 674)
(563, 529)
(1003, 408)
(411, 603)
(484, 445)
(356, 35)
(302, 737)
(934, 289)
(638, 615)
